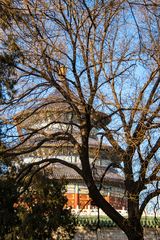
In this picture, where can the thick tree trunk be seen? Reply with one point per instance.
(131, 226)
(135, 232)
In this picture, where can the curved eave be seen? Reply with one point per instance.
(59, 172)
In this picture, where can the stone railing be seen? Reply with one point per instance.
(94, 212)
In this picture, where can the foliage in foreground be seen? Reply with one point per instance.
(38, 214)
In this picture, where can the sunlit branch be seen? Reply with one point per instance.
(147, 199)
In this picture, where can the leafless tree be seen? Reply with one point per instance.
(101, 60)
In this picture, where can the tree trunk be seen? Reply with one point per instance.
(132, 226)
(135, 232)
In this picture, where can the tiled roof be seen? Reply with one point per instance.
(58, 171)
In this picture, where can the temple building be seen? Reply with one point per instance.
(51, 115)
(77, 192)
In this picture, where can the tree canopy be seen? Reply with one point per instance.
(102, 57)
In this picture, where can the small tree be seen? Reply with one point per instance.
(42, 210)
(35, 212)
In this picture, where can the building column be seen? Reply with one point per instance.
(108, 197)
(89, 208)
(76, 197)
